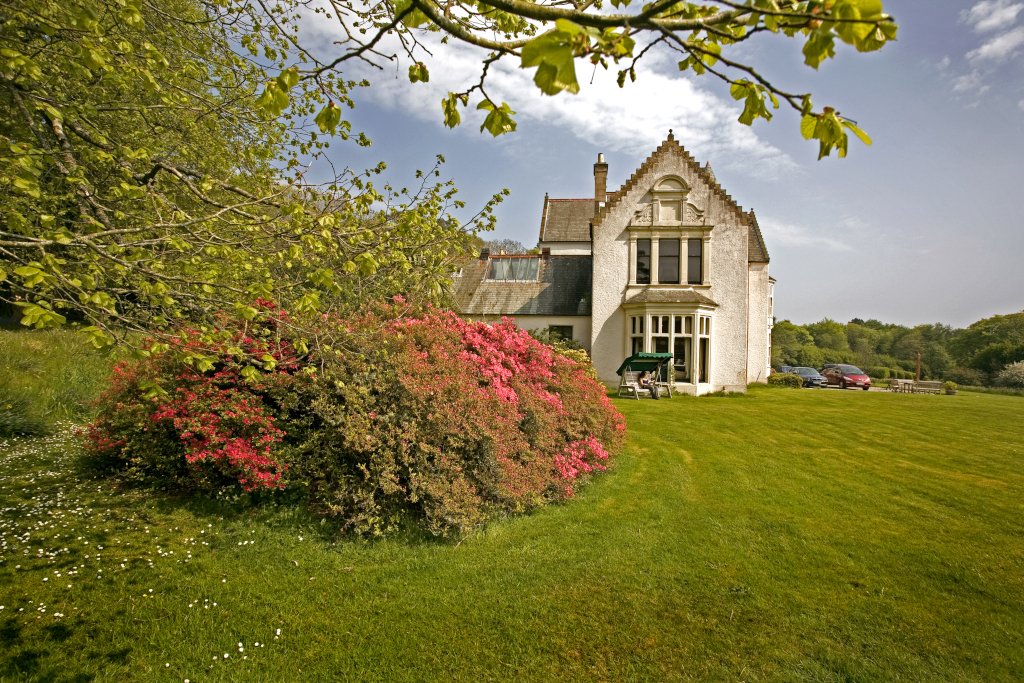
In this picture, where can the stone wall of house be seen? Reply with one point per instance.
(727, 260)
(758, 324)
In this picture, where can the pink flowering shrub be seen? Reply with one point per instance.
(454, 422)
(411, 415)
(163, 421)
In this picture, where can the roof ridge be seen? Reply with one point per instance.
(670, 146)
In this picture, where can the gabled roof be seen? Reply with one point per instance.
(757, 252)
(672, 148)
(566, 220)
(670, 296)
(563, 287)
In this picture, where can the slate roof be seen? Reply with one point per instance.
(566, 220)
(563, 287)
(757, 252)
(670, 296)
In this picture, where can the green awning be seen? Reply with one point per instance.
(644, 361)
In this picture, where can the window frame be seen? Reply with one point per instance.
(531, 261)
(641, 257)
(695, 261)
(668, 263)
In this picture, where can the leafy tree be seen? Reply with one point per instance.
(828, 334)
(152, 161)
(550, 36)
(990, 344)
(787, 339)
(508, 246)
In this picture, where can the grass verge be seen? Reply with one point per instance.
(46, 376)
(791, 536)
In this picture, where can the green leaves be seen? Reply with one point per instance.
(820, 46)
(418, 73)
(872, 33)
(499, 120)
(39, 315)
(705, 54)
(274, 99)
(412, 18)
(450, 106)
(755, 95)
(328, 118)
(830, 130)
(553, 54)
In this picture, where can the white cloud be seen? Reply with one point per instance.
(967, 82)
(793, 235)
(1020, 105)
(632, 120)
(1000, 47)
(991, 15)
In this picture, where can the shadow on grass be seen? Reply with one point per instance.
(35, 663)
(284, 510)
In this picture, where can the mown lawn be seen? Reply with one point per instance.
(785, 536)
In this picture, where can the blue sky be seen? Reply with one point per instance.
(923, 226)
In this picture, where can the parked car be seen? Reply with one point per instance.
(847, 376)
(785, 369)
(811, 377)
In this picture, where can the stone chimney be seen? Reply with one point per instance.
(485, 254)
(600, 183)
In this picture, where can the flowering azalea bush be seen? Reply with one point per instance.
(408, 415)
(163, 420)
(454, 420)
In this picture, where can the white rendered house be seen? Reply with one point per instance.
(668, 263)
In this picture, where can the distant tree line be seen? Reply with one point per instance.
(975, 355)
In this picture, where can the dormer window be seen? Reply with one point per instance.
(513, 268)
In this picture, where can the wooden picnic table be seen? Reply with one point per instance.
(903, 386)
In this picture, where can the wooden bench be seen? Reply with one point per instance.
(927, 387)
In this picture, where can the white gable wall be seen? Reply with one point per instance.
(759, 325)
(726, 261)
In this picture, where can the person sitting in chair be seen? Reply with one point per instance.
(643, 379)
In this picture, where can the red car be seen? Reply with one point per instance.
(847, 376)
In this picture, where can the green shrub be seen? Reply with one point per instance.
(785, 379)
(877, 372)
(949, 386)
(968, 377)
